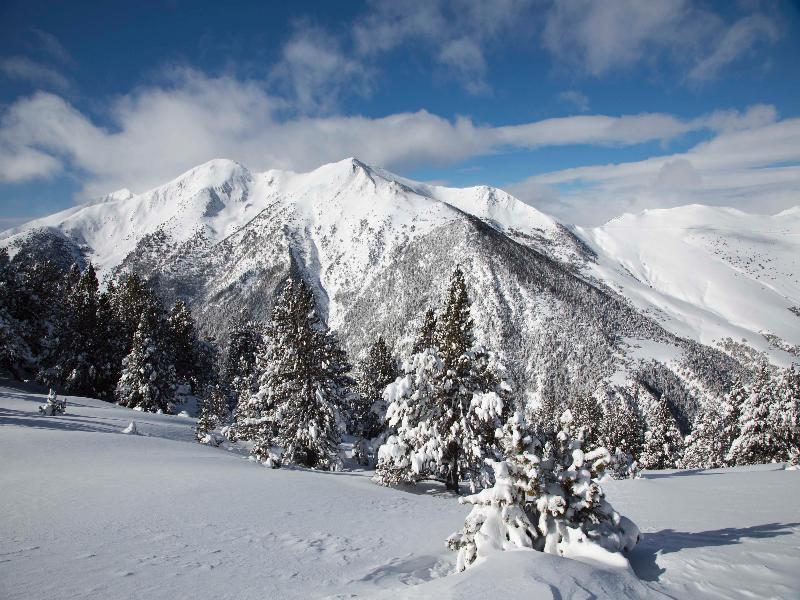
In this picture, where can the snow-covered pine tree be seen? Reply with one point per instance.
(77, 347)
(426, 334)
(15, 354)
(587, 417)
(545, 498)
(213, 413)
(129, 296)
(446, 409)
(239, 370)
(378, 370)
(185, 347)
(497, 521)
(411, 453)
(714, 431)
(623, 430)
(789, 422)
(663, 443)
(148, 375)
(759, 439)
(304, 385)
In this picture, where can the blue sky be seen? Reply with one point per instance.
(583, 109)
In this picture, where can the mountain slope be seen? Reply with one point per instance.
(710, 272)
(569, 310)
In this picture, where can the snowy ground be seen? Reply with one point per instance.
(88, 512)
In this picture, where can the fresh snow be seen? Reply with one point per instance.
(90, 513)
(707, 273)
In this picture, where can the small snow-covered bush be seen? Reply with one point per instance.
(546, 498)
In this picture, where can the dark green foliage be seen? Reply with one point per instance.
(213, 412)
(148, 375)
(377, 371)
(303, 386)
(427, 332)
(239, 375)
(193, 359)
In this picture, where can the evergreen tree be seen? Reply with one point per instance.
(588, 418)
(186, 347)
(369, 410)
(15, 354)
(623, 431)
(447, 407)
(304, 385)
(760, 439)
(547, 498)
(129, 297)
(76, 356)
(426, 336)
(789, 421)
(239, 369)
(714, 431)
(213, 413)
(148, 375)
(663, 443)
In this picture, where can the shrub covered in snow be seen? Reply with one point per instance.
(547, 498)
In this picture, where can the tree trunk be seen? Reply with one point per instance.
(451, 483)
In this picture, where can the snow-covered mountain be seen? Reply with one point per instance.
(708, 273)
(568, 308)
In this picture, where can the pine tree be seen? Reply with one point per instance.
(714, 431)
(213, 413)
(77, 344)
(186, 348)
(426, 336)
(128, 299)
(622, 430)
(148, 374)
(412, 453)
(760, 439)
(547, 498)
(15, 353)
(369, 410)
(239, 370)
(588, 418)
(305, 383)
(789, 421)
(447, 407)
(663, 444)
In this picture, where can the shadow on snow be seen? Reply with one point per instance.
(643, 557)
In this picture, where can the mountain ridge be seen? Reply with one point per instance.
(570, 309)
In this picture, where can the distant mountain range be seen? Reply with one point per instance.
(677, 297)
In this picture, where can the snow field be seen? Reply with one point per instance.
(88, 512)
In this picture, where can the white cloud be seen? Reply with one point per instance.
(755, 169)
(739, 39)
(600, 37)
(314, 70)
(575, 99)
(457, 32)
(26, 69)
(157, 132)
(465, 59)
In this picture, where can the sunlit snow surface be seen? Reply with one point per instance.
(706, 272)
(88, 512)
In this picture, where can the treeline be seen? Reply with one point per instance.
(288, 389)
(121, 344)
